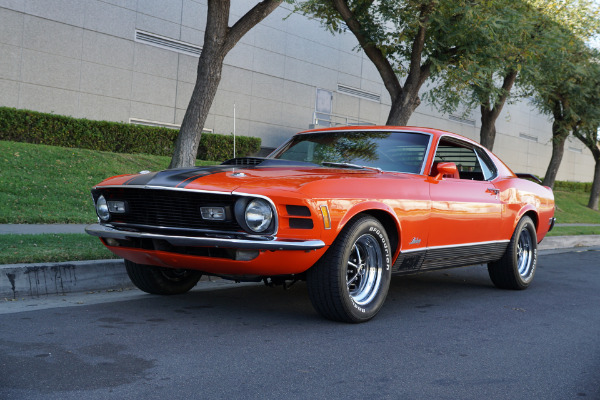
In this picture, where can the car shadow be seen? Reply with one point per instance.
(238, 302)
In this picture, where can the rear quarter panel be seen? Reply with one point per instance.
(520, 196)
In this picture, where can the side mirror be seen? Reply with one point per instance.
(445, 169)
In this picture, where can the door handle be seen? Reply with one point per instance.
(493, 191)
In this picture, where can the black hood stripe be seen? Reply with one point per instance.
(181, 177)
(175, 178)
(140, 179)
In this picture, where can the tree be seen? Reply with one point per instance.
(587, 129)
(590, 137)
(562, 90)
(219, 39)
(506, 42)
(561, 78)
(414, 38)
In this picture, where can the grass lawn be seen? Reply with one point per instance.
(571, 208)
(45, 184)
(575, 230)
(16, 249)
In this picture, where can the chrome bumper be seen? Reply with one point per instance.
(274, 244)
(551, 223)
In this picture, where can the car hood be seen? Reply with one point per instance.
(227, 178)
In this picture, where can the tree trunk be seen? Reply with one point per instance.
(595, 194)
(219, 38)
(402, 108)
(487, 133)
(489, 115)
(558, 148)
(207, 82)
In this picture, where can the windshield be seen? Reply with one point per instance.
(389, 151)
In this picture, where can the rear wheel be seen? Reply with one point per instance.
(516, 268)
(350, 282)
(159, 280)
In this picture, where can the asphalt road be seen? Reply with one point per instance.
(441, 335)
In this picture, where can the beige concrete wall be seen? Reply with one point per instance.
(80, 58)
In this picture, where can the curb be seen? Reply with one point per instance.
(43, 279)
(35, 280)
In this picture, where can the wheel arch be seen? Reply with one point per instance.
(384, 215)
(531, 213)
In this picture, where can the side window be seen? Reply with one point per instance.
(487, 165)
(464, 156)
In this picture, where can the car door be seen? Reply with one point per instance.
(465, 209)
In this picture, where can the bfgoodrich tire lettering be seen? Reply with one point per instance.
(158, 280)
(350, 282)
(516, 268)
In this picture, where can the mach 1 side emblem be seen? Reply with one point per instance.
(415, 241)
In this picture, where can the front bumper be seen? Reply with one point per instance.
(249, 244)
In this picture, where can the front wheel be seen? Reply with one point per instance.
(516, 268)
(350, 282)
(159, 280)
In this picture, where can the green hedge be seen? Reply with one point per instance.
(58, 130)
(567, 186)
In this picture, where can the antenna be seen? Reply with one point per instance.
(233, 130)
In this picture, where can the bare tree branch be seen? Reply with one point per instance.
(382, 64)
(248, 21)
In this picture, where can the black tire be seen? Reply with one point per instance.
(159, 280)
(516, 268)
(350, 282)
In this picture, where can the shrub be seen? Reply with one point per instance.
(220, 147)
(568, 186)
(58, 130)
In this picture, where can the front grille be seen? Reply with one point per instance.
(170, 208)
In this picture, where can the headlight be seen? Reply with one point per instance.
(102, 209)
(258, 215)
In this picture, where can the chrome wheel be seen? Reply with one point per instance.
(350, 282)
(525, 254)
(365, 268)
(516, 268)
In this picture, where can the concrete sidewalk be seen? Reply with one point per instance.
(37, 229)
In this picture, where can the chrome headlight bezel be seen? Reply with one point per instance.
(256, 215)
(102, 209)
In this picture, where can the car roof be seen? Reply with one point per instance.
(435, 132)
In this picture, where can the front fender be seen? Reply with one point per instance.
(384, 213)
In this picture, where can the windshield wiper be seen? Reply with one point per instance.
(349, 165)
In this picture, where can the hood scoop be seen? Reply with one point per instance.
(244, 161)
(265, 162)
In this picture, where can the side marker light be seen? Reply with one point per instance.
(326, 217)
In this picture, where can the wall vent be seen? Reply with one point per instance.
(575, 150)
(358, 93)
(146, 122)
(166, 43)
(528, 137)
(462, 120)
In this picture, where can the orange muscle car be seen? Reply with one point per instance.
(342, 208)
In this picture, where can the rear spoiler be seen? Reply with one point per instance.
(529, 176)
